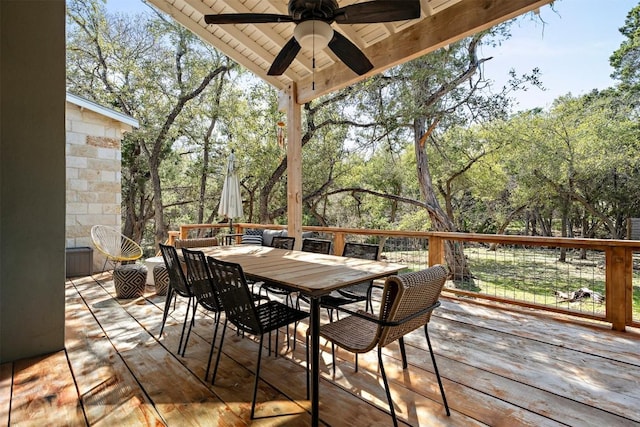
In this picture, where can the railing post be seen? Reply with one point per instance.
(183, 232)
(618, 282)
(338, 243)
(436, 250)
(172, 237)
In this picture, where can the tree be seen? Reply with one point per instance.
(123, 62)
(426, 97)
(626, 59)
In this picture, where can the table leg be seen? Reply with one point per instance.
(314, 320)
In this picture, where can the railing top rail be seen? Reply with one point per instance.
(537, 240)
(600, 244)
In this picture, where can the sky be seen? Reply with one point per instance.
(571, 49)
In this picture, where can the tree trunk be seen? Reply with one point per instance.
(454, 253)
(564, 228)
(206, 148)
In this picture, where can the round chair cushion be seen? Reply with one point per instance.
(161, 279)
(129, 280)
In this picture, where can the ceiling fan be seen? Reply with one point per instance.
(313, 30)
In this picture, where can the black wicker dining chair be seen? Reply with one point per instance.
(269, 287)
(408, 301)
(317, 246)
(244, 313)
(202, 287)
(178, 287)
(360, 291)
(351, 294)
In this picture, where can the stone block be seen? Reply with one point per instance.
(77, 208)
(87, 128)
(77, 184)
(90, 174)
(108, 176)
(74, 138)
(76, 162)
(104, 164)
(82, 151)
(100, 140)
(107, 153)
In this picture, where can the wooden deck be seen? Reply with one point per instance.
(499, 367)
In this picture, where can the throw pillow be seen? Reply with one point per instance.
(252, 237)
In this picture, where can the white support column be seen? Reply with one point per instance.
(294, 165)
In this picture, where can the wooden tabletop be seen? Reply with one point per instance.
(310, 273)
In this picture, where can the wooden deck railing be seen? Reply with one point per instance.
(617, 255)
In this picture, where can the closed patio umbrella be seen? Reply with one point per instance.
(231, 200)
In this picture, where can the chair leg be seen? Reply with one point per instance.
(255, 383)
(288, 340)
(369, 303)
(195, 306)
(167, 306)
(215, 368)
(295, 336)
(184, 325)
(191, 324)
(386, 388)
(435, 368)
(216, 318)
(333, 357)
(306, 350)
(403, 353)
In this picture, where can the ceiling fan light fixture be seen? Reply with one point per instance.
(313, 34)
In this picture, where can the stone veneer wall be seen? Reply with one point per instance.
(93, 183)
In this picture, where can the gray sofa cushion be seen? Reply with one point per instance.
(305, 234)
(268, 235)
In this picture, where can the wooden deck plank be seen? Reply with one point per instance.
(556, 369)
(6, 380)
(109, 392)
(621, 346)
(504, 398)
(178, 396)
(44, 390)
(416, 393)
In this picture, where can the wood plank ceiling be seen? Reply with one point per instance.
(255, 46)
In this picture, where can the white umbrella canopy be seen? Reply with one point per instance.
(231, 199)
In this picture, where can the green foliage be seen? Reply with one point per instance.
(626, 59)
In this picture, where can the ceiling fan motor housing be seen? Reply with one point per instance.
(301, 10)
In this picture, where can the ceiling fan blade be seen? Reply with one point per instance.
(246, 18)
(350, 54)
(284, 58)
(378, 11)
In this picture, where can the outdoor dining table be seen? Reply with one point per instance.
(312, 275)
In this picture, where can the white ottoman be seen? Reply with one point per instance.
(150, 263)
